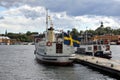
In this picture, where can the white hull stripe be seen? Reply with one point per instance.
(51, 55)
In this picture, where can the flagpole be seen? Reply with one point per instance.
(46, 24)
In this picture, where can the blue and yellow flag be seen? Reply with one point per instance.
(72, 41)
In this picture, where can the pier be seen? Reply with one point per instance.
(109, 66)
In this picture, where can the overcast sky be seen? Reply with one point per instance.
(29, 15)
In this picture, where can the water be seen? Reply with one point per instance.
(115, 52)
(18, 63)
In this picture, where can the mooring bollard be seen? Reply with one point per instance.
(92, 57)
(96, 61)
(112, 65)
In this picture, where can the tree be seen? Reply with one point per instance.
(81, 32)
(91, 32)
(74, 32)
(34, 33)
(100, 31)
(28, 33)
(107, 30)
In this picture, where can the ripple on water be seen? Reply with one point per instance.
(17, 62)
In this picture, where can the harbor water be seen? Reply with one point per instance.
(17, 62)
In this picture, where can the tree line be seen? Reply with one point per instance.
(99, 31)
(27, 37)
(22, 37)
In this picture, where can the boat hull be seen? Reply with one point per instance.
(57, 60)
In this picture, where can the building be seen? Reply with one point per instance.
(112, 38)
(4, 40)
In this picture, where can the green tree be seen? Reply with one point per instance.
(107, 30)
(100, 31)
(74, 32)
(81, 32)
(28, 33)
(92, 32)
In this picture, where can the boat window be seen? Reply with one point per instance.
(94, 42)
(107, 47)
(106, 41)
(101, 41)
(99, 47)
(89, 48)
(37, 40)
(95, 48)
(98, 42)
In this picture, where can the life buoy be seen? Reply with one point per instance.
(49, 43)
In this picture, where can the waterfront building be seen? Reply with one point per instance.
(115, 39)
(4, 40)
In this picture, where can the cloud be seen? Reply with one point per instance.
(18, 20)
(29, 18)
(26, 11)
(1, 17)
(72, 7)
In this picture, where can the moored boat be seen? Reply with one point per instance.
(53, 51)
(95, 48)
(50, 47)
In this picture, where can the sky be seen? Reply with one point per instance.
(19, 16)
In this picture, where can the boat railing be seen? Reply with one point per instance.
(97, 42)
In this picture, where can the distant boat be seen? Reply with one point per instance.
(50, 47)
(95, 48)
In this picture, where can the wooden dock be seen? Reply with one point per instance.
(107, 65)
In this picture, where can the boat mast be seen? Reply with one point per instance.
(46, 24)
(46, 20)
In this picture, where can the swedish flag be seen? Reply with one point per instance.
(72, 41)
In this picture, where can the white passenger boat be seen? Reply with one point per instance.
(95, 48)
(50, 47)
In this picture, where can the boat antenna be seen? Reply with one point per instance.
(51, 23)
(46, 20)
